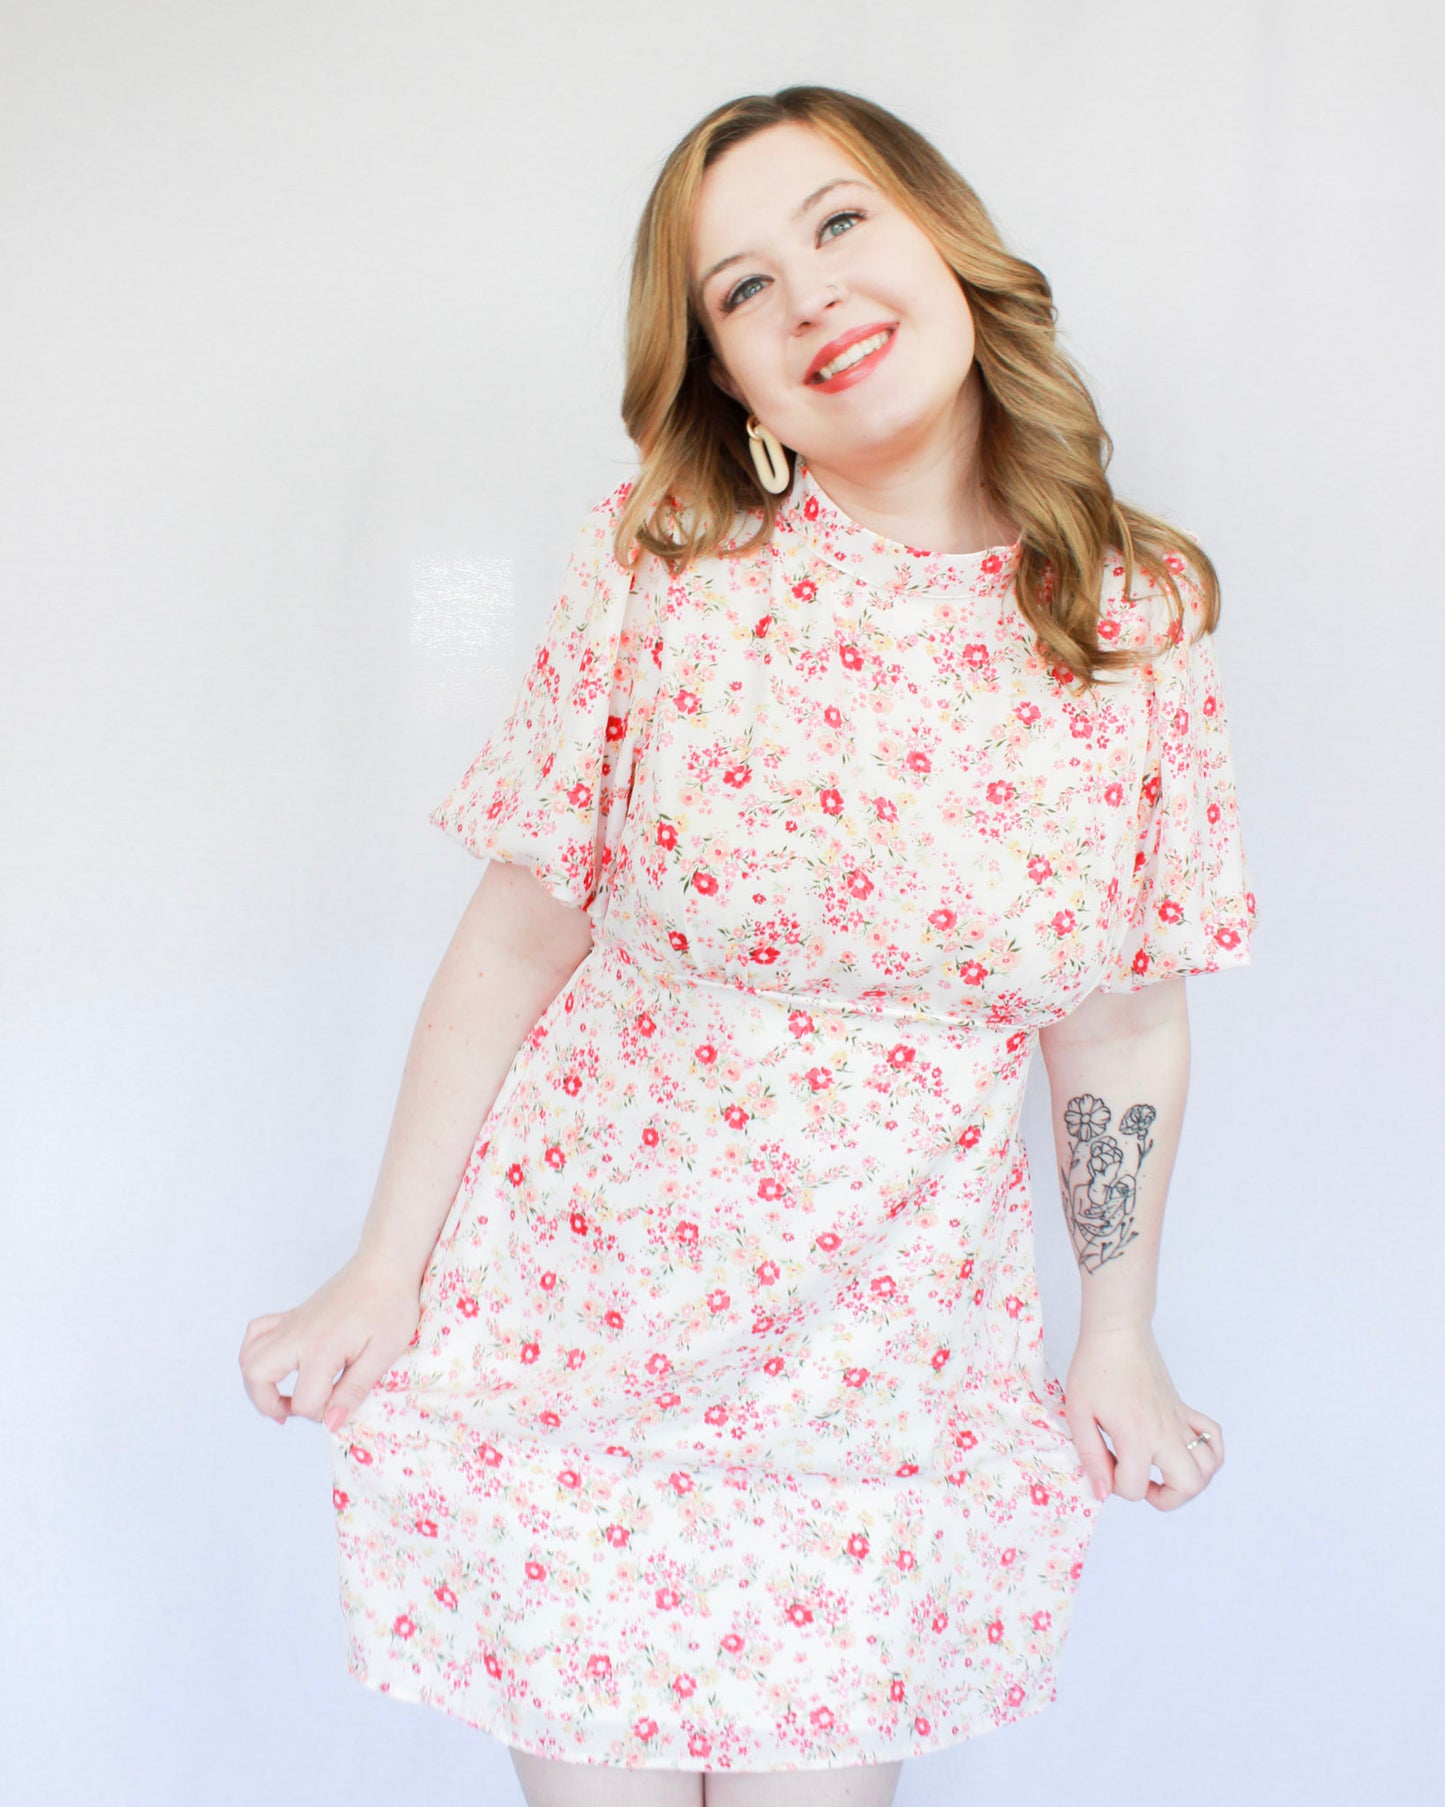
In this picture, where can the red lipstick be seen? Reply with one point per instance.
(840, 344)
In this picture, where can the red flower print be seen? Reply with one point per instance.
(1028, 714)
(858, 884)
(828, 1241)
(971, 1138)
(919, 762)
(668, 1400)
(666, 836)
(447, 1598)
(735, 1116)
(515, 1173)
(657, 1363)
(686, 702)
(995, 1631)
(489, 1455)
(534, 1571)
(883, 1286)
(773, 1365)
(1013, 1306)
(895, 1689)
(1065, 922)
(831, 802)
(906, 1470)
(684, 1687)
(403, 1626)
(854, 1377)
(978, 1295)
(612, 1319)
(530, 1351)
(492, 1665)
(575, 1358)
(645, 1728)
(600, 1668)
(555, 1159)
(800, 1022)
(921, 1726)
(716, 1414)
(767, 1272)
(579, 1224)
(704, 884)
(1039, 1494)
(799, 1614)
(569, 1477)
(763, 955)
(940, 1621)
(680, 1483)
(737, 776)
(732, 1643)
(1006, 1557)
(819, 1078)
(699, 1745)
(686, 1232)
(547, 1282)
(901, 1055)
(822, 1717)
(617, 1536)
(706, 1054)
(645, 1025)
(940, 1358)
(580, 796)
(769, 1189)
(1043, 1620)
(426, 1527)
(966, 1439)
(942, 920)
(849, 657)
(468, 1306)
(339, 1499)
(1170, 912)
(762, 1325)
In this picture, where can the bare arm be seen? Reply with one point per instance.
(1118, 1077)
(513, 950)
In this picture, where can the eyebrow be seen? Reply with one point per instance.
(799, 211)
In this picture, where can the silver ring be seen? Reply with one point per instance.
(1203, 1437)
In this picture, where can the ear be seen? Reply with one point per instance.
(719, 375)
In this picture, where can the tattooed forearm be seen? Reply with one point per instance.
(1101, 1182)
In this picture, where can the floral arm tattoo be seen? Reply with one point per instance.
(1101, 1182)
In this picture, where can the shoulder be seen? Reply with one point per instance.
(1142, 614)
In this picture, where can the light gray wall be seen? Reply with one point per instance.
(310, 348)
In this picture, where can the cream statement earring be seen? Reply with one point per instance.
(768, 459)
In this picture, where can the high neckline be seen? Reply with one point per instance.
(888, 565)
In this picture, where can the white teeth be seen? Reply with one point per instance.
(855, 354)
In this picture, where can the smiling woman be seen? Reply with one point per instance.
(879, 745)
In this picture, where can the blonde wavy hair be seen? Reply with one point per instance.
(1043, 450)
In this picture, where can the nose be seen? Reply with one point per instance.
(813, 297)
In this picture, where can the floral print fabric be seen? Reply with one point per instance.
(726, 1438)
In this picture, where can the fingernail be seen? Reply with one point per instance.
(335, 1418)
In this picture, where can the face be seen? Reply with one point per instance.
(806, 269)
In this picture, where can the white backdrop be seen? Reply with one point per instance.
(311, 353)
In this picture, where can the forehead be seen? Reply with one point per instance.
(753, 192)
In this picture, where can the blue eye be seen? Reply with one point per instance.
(737, 295)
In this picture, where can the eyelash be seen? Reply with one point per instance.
(849, 213)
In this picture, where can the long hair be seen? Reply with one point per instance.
(1042, 448)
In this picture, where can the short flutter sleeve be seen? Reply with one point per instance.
(1190, 905)
(551, 786)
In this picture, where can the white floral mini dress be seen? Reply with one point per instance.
(726, 1438)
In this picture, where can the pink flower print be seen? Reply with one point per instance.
(884, 1287)
(833, 716)
(1015, 1696)
(1170, 912)
(515, 1173)
(940, 1358)
(684, 1687)
(857, 1545)
(907, 1562)
(686, 1232)
(645, 1728)
(971, 1138)
(446, 1598)
(822, 1717)
(547, 1282)
(830, 802)
(578, 1221)
(403, 1626)
(339, 1499)
(940, 1621)
(769, 1189)
(828, 1240)
(895, 1688)
(599, 1667)
(885, 809)
(1212, 813)
(716, 1414)
(972, 973)
(1065, 922)
(489, 1455)
(906, 1470)
(918, 761)
(1226, 937)
(657, 1363)
(678, 941)
(737, 776)
(680, 1483)
(773, 1365)
(555, 1159)
(978, 1295)
(617, 1536)
(535, 1571)
(767, 1272)
(901, 1055)
(575, 1358)
(858, 884)
(995, 1631)
(550, 1419)
(1008, 1556)
(530, 1351)
(966, 1439)
(704, 884)
(687, 702)
(646, 1025)
(425, 1527)
(580, 796)
(1013, 1306)
(492, 1664)
(612, 1319)
(1043, 1620)
(706, 1054)
(975, 655)
(943, 920)
(666, 836)
(762, 1325)
(569, 1477)
(799, 1614)
(993, 564)
(922, 1726)
(1039, 1494)
(732, 1643)
(1028, 714)
(668, 1400)
(854, 1377)
(800, 1022)
(468, 1306)
(699, 1745)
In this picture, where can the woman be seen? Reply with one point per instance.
(694, 1418)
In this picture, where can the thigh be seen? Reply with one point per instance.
(868, 1785)
(548, 1782)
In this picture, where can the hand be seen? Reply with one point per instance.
(360, 1320)
(1118, 1383)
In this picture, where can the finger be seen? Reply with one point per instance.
(1183, 1479)
(261, 1368)
(1094, 1454)
(1206, 1428)
(1131, 1469)
(352, 1387)
(316, 1377)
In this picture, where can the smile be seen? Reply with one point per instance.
(852, 356)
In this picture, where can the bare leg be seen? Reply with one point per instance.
(867, 1785)
(548, 1782)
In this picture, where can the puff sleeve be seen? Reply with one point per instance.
(1190, 906)
(550, 787)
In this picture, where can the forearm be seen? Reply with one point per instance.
(1117, 1107)
(484, 1000)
